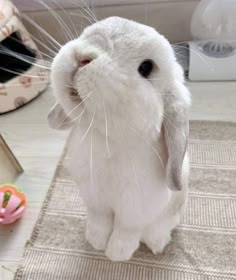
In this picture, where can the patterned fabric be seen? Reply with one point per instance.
(25, 87)
(203, 245)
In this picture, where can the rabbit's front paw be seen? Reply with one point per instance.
(98, 229)
(97, 237)
(158, 243)
(122, 245)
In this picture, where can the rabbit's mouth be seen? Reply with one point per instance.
(73, 91)
(74, 94)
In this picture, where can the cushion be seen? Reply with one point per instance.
(18, 89)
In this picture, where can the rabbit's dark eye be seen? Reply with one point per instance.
(145, 68)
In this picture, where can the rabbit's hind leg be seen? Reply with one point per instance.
(158, 235)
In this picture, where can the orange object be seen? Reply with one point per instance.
(12, 204)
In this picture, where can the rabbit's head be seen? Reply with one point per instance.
(127, 73)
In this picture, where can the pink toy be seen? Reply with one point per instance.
(12, 204)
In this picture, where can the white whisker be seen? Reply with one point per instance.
(200, 56)
(91, 123)
(21, 57)
(68, 17)
(106, 127)
(20, 73)
(91, 157)
(81, 15)
(44, 46)
(162, 164)
(88, 10)
(165, 117)
(146, 13)
(132, 164)
(159, 157)
(43, 31)
(76, 107)
(35, 39)
(19, 84)
(59, 19)
(135, 173)
(80, 115)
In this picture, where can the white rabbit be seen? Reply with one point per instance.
(121, 88)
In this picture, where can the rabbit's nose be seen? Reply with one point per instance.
(83, 61)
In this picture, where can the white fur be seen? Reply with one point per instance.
(115, 163)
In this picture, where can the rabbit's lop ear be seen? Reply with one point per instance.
(176, 131)
(58, 119)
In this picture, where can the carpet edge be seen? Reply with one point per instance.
(33, 237)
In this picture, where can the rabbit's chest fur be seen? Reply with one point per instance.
(122, 173)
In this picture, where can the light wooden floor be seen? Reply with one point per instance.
(38, 148)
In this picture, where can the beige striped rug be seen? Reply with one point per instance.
(203, 246)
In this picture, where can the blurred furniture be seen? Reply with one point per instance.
(171, 17)
(22, 74)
